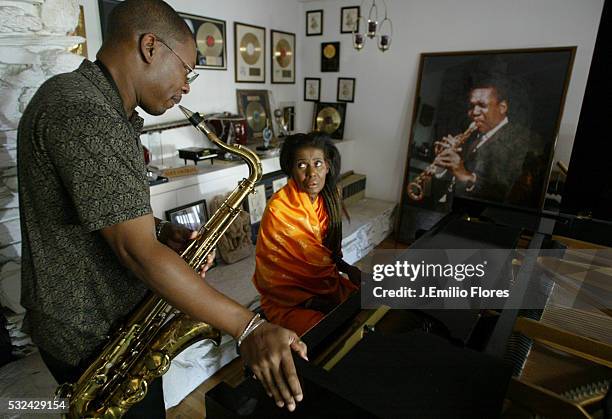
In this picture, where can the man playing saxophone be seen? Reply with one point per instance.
(90, 242)
(503, 163)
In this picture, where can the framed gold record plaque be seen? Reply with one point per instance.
(254, 105)
(283, 57)
(329, 118)
(210, 38)
(249, 53)
(330, 56)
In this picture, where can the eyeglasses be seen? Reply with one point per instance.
(191, 75)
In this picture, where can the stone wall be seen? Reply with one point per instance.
(34, 44)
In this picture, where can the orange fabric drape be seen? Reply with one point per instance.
(292, 264)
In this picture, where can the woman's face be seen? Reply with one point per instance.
(310, 170)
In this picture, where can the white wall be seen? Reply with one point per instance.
(214, 90)
(379, 120)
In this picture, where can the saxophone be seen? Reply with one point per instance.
(141, 350)
(415, 188)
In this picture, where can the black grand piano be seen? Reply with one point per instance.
(555, 361)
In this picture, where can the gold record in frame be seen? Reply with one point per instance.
(283, 53)
(209, 35)
(249, 53)
(329, 51)
(209, 40)
(283, 57)
(256, 116)
(250, 49)
(254, 106)
(330, 56)
(329, 118)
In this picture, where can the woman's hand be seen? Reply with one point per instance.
(267, 352)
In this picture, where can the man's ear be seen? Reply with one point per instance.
(503, 107)
(148, 47)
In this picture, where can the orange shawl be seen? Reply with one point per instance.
(292, 264)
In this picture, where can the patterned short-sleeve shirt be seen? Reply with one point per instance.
(81, 168)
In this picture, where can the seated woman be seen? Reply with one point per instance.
(298, 253)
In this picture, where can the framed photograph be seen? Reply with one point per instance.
(256, 203)
(346, 89)
(498, 113)
(211, 41)
(283, 57)
(312, 89)
(254, 105)
(349, 19)
(209, 34)
(329, 118)
(249, 53)
(105, 7)
(193, 216)
(314, 22)
(277, 184)
(330, 57)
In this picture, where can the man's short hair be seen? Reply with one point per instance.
(496, 83)
(146, 16)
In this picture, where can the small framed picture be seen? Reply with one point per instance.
(283, 57)
(349, 19)
(277, 184)
(346, 89)
(256, 203)
(193, 216)
(314, 22)
(330, 57)
(312, 89)
(249, 50)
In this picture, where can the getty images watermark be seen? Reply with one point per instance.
(478, 278)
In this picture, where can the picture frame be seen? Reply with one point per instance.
(256, 203)
(211, 41)
(312, 89)
(249, 53)
(105, 7)
(287, 118)
(209, 34)
(503, 108)
(314, 22)
(254, 106)
(349, 19)
(329, 118)
(193, 215)
(330, 57)
(282, 57)
(346, 89)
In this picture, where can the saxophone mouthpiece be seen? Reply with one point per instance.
(193, 117)
(186, 111)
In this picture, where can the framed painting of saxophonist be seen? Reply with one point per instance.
(484, 127)
(283, 57)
